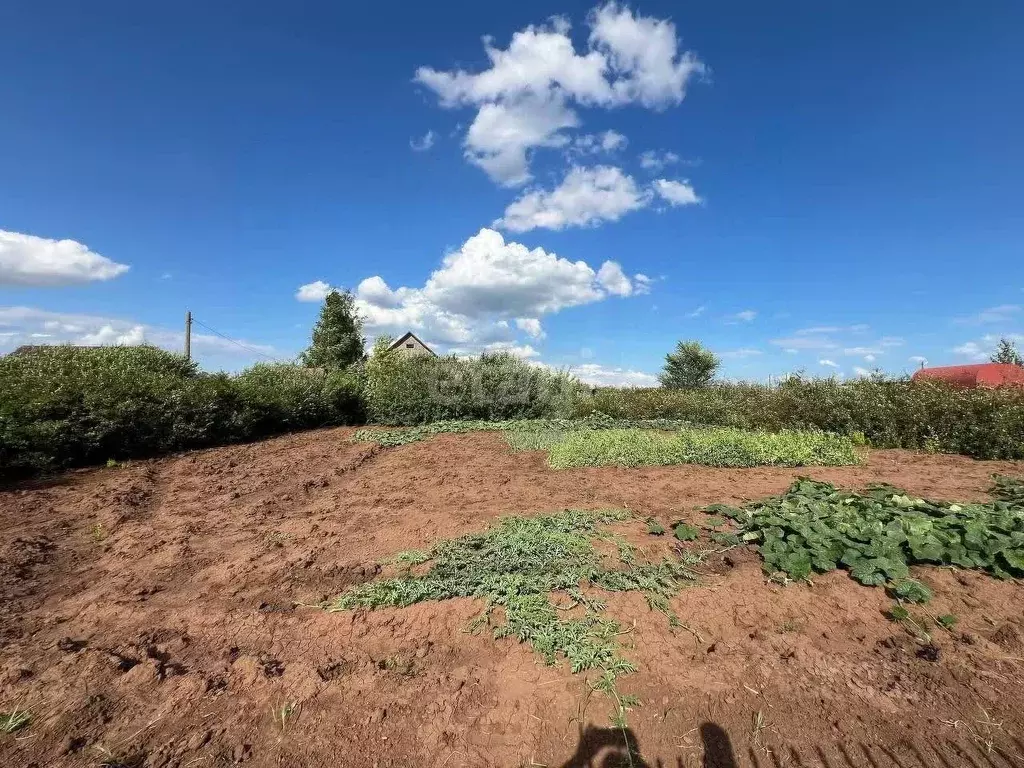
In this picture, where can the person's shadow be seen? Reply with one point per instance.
(618, 747)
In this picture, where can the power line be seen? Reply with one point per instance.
(235, 341)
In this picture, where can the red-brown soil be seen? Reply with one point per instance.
(163, 614)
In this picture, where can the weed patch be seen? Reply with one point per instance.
(522, 435)
(10, 722)
(718, 447)
(518, 566)
(877, 534)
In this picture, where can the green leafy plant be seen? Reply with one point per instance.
(986, 423)
(518, 565)
(716, 447)
(685, 532)
(877, 534)
(947, 621)
(521, 434)
(655, 528)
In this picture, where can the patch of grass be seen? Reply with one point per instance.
(877, 534)
(655, 528)
(98, 532)
(519, 565)
(10, 722)
(717, 447)
(522, 435)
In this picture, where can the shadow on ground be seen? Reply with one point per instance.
(617, 748)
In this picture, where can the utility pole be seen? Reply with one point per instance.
(188, 334)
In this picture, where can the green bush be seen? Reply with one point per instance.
(405, 389)
(67, 406)
(722, 447)
(888, 413)
(281, 397)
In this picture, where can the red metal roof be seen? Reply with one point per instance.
(983, 375)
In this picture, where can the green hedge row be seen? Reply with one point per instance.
(70, 406)
(888, 413)
(403, 390)
(67, 406)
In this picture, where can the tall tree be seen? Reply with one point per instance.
(690, 366)
(1007, 352)
(338, 336)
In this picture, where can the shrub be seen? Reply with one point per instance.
(66, 406)
(281, 397)
(723, 447)
(405, 389)
(888, 413)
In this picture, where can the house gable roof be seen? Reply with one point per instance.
(410, 335)
(983, 375)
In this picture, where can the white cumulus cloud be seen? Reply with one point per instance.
(614, 280)
(315, 291)
(604, 376)
(528, 96)
(27, 260)
(828, 363)
(530, 326)
(676, 192)
(586, 197)
(484, 291)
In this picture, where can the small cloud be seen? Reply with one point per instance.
(586, 353)
(861, 371)
(740, 353)
(828, 363)
(697, 312)
(791, 351)
(655, 160)
(595, 143)
(918, 359)
(530, 326)
(165, 276)
(746, 316)
(870, 358)
(676, 193)
(971, 349)
(891, 341)
(642, 283)
(1000, 314)
(862, 351)
(424, 143)
(315, 291)
(818, 329)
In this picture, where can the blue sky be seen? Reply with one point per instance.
(826, 187)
